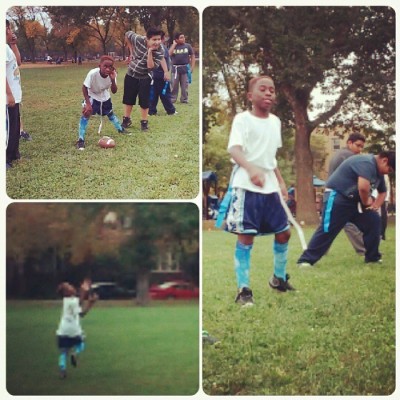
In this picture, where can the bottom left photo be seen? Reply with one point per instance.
(102, 299)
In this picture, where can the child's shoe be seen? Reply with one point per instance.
(126, 122)
(124, 131)
(245, 297)
(74, 360)
(144, 125)
(280, 284)
(80, 144)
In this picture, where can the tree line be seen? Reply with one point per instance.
(50, 242)
(94, 30)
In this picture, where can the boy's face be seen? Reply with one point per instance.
(106, 67)
(356, 147)
(383, 166)
(262, 95)
(181, 39)
(9, 34)
(154, 42)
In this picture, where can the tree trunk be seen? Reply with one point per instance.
(142, 287)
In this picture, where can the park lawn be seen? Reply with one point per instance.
(162, 163)
(130, 350)
(335, 335)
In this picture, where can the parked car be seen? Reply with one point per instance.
(174, 290)
(110, 290)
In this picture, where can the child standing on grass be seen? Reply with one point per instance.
(69, 333)
(255, 207)
(96, 91)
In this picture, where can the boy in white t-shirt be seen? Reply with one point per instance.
(13, 96)
(96, 91)
(255, 207)
(69, 332)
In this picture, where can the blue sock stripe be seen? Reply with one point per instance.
(83, 123)
(115, 121)
(62, 360)
(328, 210)
(242, 264)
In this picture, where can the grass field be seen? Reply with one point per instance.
(335, 335)
(130, 350)
(162, 163)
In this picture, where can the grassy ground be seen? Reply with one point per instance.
(160, 164)
(334, 336)
(130, 350)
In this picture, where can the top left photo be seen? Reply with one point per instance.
(102, 102)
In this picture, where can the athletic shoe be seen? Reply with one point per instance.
(126, 122)
(153, 113)
(74, 360)
(8, 165)
(25, 135)
(80, 144)
(380, 261)
(304, 265)
(173, 113)
(245, 297)
(124, 131)
(144, 125)
(280, 284)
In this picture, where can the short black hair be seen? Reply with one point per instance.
(177, 34)
(391, 156)
(153, 31)
(353, 137)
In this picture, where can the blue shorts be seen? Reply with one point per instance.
(253, 213)
(67, 342)
(101, 108)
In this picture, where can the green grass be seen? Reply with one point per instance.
(160, 164)
(334, 336)
(130, 350)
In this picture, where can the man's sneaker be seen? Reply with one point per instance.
(280, 284)
(25, 135)
(74, 360)
(126, 122)
(173, 113)
(144, 125)
(245, 297)
(80, 144)
(304, 264)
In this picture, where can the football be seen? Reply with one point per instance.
(106, 142)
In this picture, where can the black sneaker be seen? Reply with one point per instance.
(280, 284)
(126, 122)
(80, 144)
(25, 136)
(74, 360)
(245, 297)
(144, 125)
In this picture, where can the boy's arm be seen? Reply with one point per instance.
(14, 48)
(192, 60)
(150, 60)
(89, 304)
(10, 96)
(256, 174)
(113, 77)
(172, 48)
(130, 46)
(364, 190)
(282, 184)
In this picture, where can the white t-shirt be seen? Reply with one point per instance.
(70, 320)
(98, 87)
(260, 139)
(13, 74)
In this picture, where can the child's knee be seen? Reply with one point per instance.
(283, 237)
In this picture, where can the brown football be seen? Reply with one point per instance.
(106, 142)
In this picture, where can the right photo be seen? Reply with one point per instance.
(299, 201)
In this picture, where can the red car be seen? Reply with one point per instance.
(174, 290)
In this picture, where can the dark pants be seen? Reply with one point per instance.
(156, 93)
(13, 130)
(334, 218)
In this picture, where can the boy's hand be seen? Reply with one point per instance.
(257, 175)
(10, 100)
(113, 74)
(167, 76)
(86, 284)
(13, 39)
(87, 110)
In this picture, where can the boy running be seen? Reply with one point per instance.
(96, 91)
(69, 332)
(255, 208)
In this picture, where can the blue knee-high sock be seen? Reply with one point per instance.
(280, 259)
(79, 348)
(115, 121)
(242, 264)
(83, 123)
(62, 360)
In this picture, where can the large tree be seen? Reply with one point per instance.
(346, 52)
